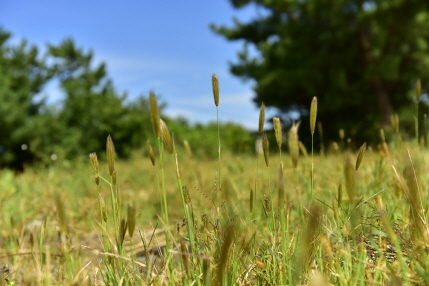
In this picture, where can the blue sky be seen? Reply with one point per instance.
(164, 45)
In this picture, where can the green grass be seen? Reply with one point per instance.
(365, 227)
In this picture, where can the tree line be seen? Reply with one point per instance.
(34, 131)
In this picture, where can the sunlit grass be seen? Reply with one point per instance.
(166, 217)
(345, 241)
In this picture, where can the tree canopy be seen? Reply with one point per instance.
(360, 58)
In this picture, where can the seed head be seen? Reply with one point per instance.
(114, 178)
(349, 174)
(188, 148)
(341, 133)
(302, 149)
(215, 87)
(131, 219)
(186, 196)
(313, 115)
(103, 210)
(394, 123)
(110, 149)
(340, 194)
(385, 153)
(294, 143)
(278, 131)
(205, 220)
(360, 155)
(320, 128)
(122, 231)
(150, 152)
(382, 137)
(166, 136)
(418, 89)
(94, 162)
(268, 204)
(261, 119)
(154, 114)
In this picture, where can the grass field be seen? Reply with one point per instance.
(344, 218)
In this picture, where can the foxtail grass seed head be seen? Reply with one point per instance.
(61, 213)
(265, 148)
(205, 220)
(341, 133)
(166, 136)
(313, 115)
(122, 231)
(150, 152)
(94, 163)
(418, 90)
(326, 248)
(114, 178)
(334, 147)
(154, 114)
(188, 148)
(302, 149)
(268, 205)
(278, 131)
(382, 137)
(385, 153)
(294, 143)
(380, 204)
(349, 174)
(103, 210)
(394, 123)
(320, 129)
(110, 149)
(261, 119)
(224, 254)
(186, 196)
(131, 219)
(360, 155)
(215, 86)
(31, 241)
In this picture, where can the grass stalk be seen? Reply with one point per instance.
(313, 115)
(215, 87)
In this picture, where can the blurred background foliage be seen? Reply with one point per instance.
(361, 58)
(91, 108)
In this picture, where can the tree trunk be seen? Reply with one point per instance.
(380, 91)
